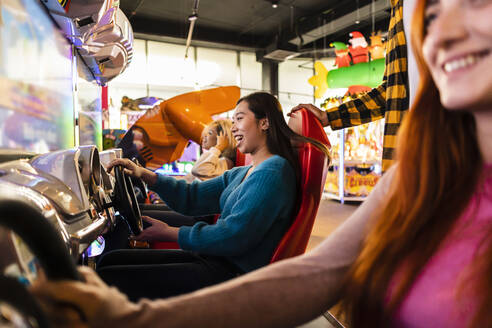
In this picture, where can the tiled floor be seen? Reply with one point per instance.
(330, 215)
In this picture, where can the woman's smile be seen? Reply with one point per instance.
(457, 51)
(245, 129)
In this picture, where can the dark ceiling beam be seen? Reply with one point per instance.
(194, 43)
(315, 49)
(317, 31)
(146, 25)
(308, 23)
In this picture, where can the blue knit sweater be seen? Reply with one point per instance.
(255, 213)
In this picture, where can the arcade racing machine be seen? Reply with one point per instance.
(54, 209)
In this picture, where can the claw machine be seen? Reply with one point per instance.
(355, 167)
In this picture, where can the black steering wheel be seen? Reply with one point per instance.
(125, 201)
(139, 186)
(48, 248)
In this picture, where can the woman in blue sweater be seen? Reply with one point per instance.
(256, 204)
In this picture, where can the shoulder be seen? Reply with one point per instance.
(275, 165)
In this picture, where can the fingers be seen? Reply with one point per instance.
(127, 171)
(118, 161)
(64, 292)
(143, 236)
(148, 219)
(91, 277)
(294, 109)
(297, 108)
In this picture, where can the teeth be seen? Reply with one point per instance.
(461, 62)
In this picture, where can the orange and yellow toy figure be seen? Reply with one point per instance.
(377, 48)
(163, 132)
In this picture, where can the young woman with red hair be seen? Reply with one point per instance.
(417, 252)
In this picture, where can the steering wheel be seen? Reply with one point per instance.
(125, 201)
(46, 245)
(139, 185)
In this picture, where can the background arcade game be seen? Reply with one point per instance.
(161, 136)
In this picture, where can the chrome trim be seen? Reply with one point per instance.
(23, 174)
(64, 165)
(89, 165)
(87, 235)
(107, 156)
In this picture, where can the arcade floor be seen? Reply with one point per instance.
(330, 215)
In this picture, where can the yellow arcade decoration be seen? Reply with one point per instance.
(319, 80)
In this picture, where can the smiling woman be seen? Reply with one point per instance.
(438, 217)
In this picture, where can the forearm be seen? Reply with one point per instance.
(197, 198)
(366, 108)
(264, 298)
(149, 177)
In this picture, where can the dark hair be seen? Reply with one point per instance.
(279, 134)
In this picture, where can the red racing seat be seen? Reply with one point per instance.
(313, 175)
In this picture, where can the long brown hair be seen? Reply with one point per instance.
(279, 134)
(439, 167)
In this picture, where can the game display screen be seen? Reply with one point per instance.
(184, 165)
(36, 80)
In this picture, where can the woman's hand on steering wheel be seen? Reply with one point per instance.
(158, 231)
(84, 304)
(134, 170)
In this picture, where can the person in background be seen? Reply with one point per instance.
(416, 253)
(390, 100)
(219, 151)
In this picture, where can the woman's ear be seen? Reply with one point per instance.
(264, 124)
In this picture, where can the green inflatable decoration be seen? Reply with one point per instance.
(369, 74)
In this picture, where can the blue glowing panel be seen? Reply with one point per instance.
(36, 84)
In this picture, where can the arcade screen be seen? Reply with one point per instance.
(36, 84)
(184, 165)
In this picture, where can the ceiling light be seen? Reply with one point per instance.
(274, 3)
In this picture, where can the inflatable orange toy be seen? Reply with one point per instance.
(163, 132)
